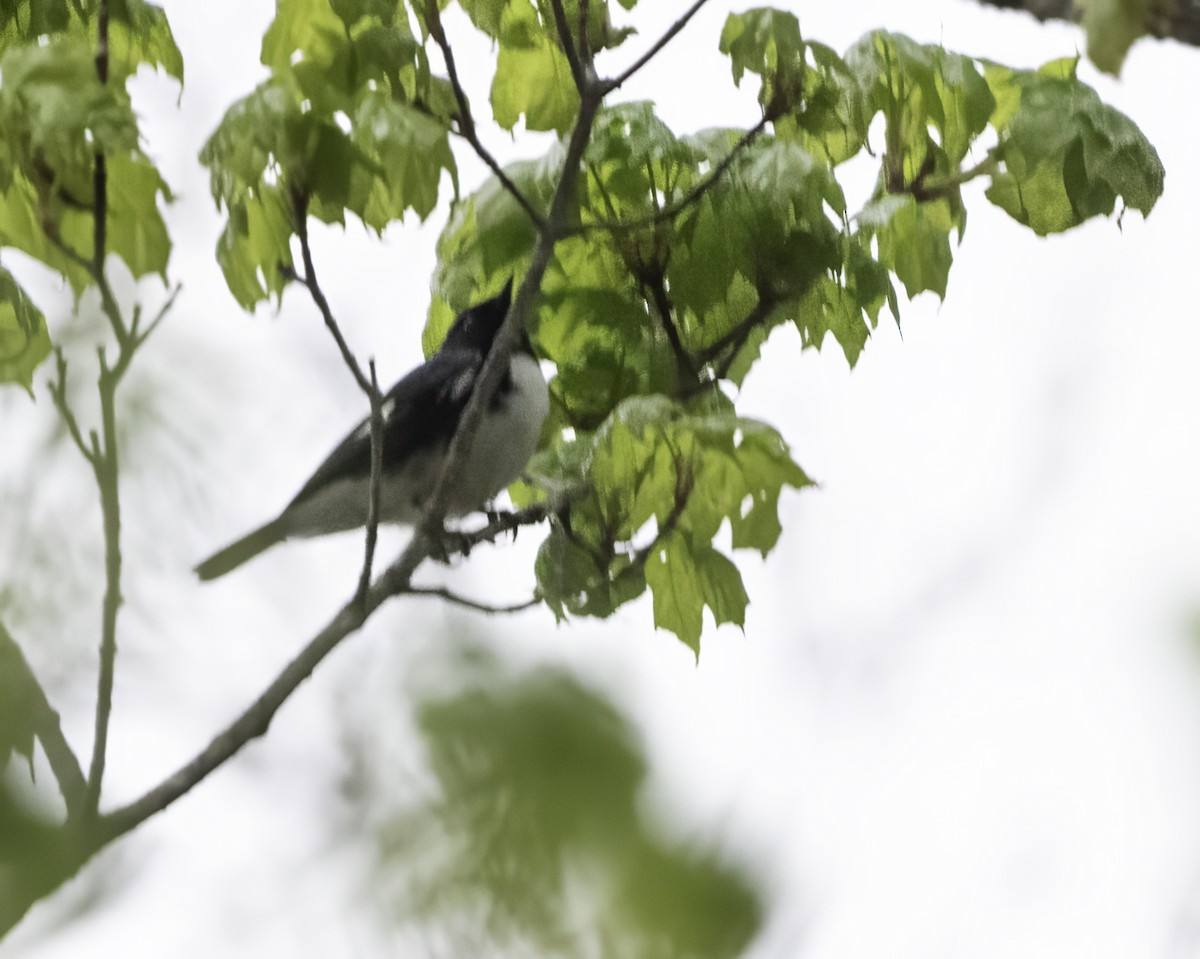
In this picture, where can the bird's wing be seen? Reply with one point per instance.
(420, 412)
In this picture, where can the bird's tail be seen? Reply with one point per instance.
(241, 551)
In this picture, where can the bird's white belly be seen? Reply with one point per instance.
(506, 439)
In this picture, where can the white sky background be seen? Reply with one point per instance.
(964, 719)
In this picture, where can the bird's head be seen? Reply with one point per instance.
(476, 327)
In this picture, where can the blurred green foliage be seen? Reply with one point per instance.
(535, 843)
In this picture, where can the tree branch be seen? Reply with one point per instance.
(684, 362)
(104, 458)
(576, 64)
(46, 727)
(376, 480)
(442, 592)
(615, 82)
(1177, 19)
(58, 393)
(309, 281)
(466, 122)
(256, 718)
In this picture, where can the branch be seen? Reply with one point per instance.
(615, 82)
(105, 464)
(309, 281)
(376, 480)
(672, 210)
(466, 122)
(684, 362)
(45, 723)
(923, 191)
(442, 593)
(104, 457)
(568, 46)
(256, 718)
(58, 393)
(1177, 19)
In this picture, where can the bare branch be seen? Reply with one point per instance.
(442, 593)
(256, 718)
(1177, 19)
(58, 393)
(615, 82)
(309, 281)
(466, 122)
(364, 580)
(45, 723)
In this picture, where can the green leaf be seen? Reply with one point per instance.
(914, 240)
(1112, 28)
(21, 228)
(255, 246)
(54, 114)
(919, 88)
(24, 343)
(533, 77)
(1066, 156)
(17, 704)
(307, 42)
(766, 42)
(685, 577)
(406, 152)
(661, 479)
(139, 32)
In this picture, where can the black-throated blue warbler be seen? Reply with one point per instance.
(420, 417)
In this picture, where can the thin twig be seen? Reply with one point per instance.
(58, 393)
(140, 336)
(672, 210)
(466, 122)
(46, 726)
(309, 281)
(610, 85)
(568, 46)
(684, 362)
(442, 593)
(256, 718)
(735, 337)
(364, 580)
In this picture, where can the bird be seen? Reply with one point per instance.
(420, 417)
